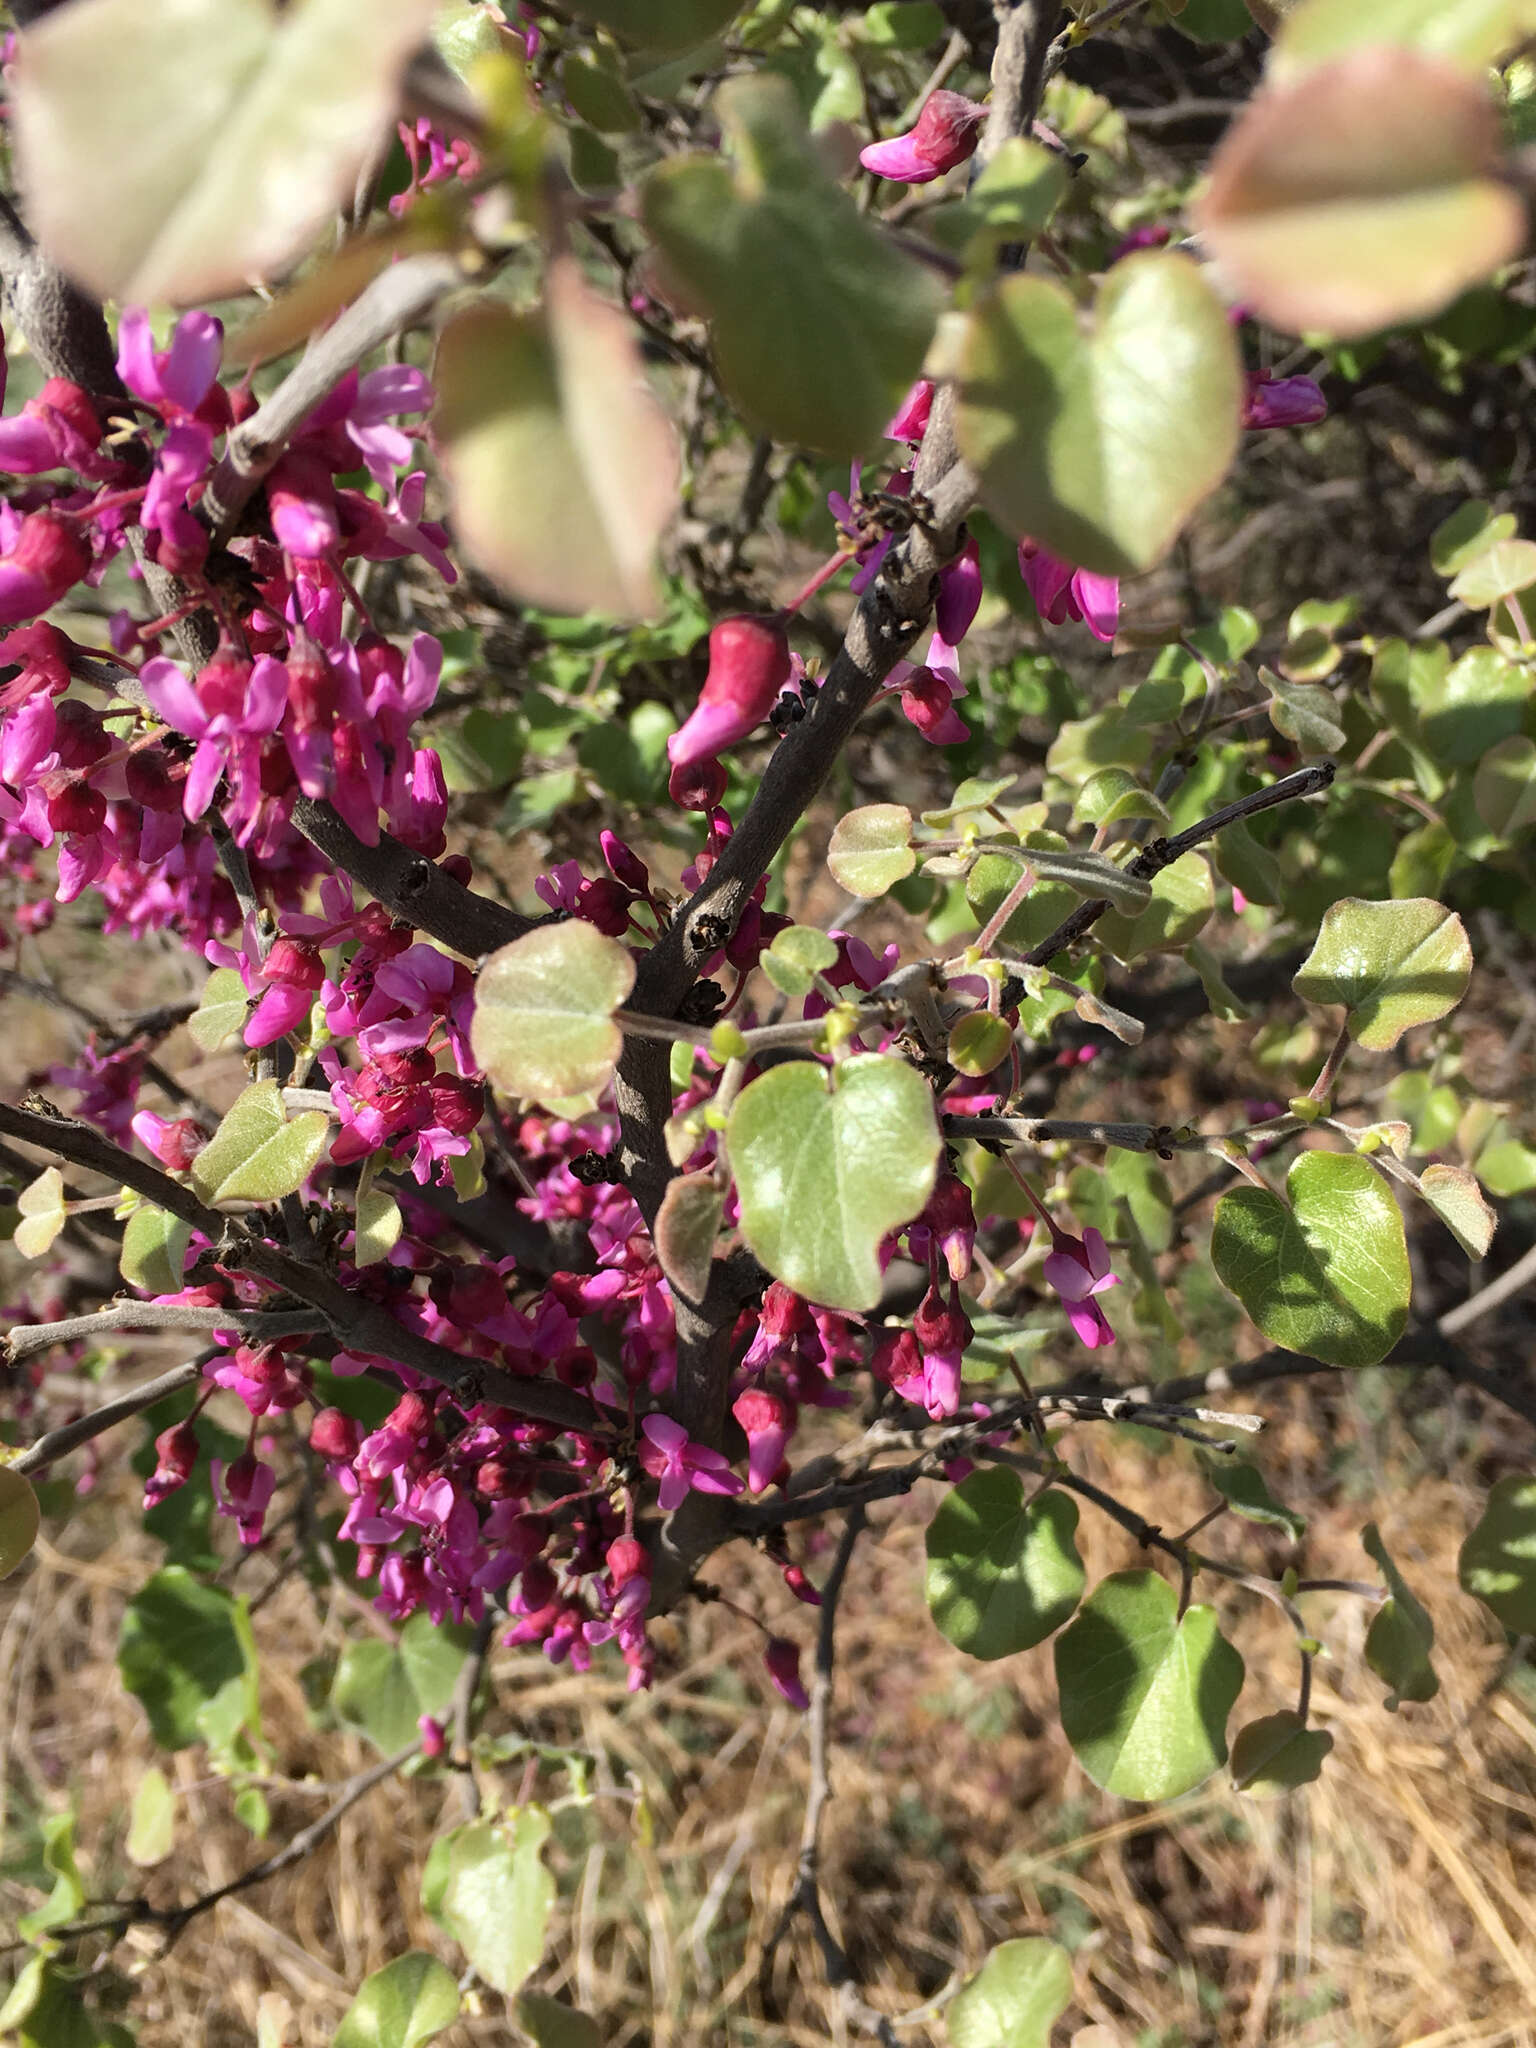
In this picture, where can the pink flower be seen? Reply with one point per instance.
(748, 666)
(946, 133)
(678, 1465)
(45, 561)
(1062, 592)
(782, 1658)
(243, 1489)
(769, 1422)
(911, 420)
(1272, 401)
(177, 378)
(1078, 1269)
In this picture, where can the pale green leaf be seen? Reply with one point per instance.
(154, 1254)
(221, 1010)
(43, 1214)
(1113, 796)
(1016, 1997)
(979, 1042)
(1305, 713)
(151, 1820)
(495, 1896)
(543, 1025)
(1145, 1694)
(385, 1688)
(826, 1163)
(1327, 1276)
(18, 1520)
(1458, 1201)
(400, 2006)
(1099, 442)
(871, 849)
(1002, 1577)
(1392, 965)
(378, 1224)
(257, 1154)
(1182, 900)
(1470, 32)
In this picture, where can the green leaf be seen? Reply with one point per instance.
(871, 849)
(405, 2003)
(385, 1688)
(178, 1649)
(1002, 1577)
(598, 94)
(826, 1163)
(221, 1010)
(483, 753)
(1243, 1487)
(257, 1154)
(1471, 529)
(43, 1214)
(543, 1025)
(178, 153)
(752, 244)
(563, 464)
(795, 957)
(979, 1042)
(1114, 795)
(1500, 571)
(1138, 1179)
(553, 2024)
(1017, 193)
(1100, 444)
(1469, 707)
(1364, 193)
(1016, 1997)
(1182, 900)
(1498, 1559)
(1328, 1276)
(1305, 713)
(18, 1520)
(1277, 1754)
(687, 1224)
(1457, 1200)
(154, 1254)
(377, 1226)
(494, 1895)
(1045, 906)
(663, 26)
(1392, 965)
(1504, 787)
(1401, 1634)
(253, 1812)
(1145, 1695)
(1470, 32)
(64, 1902)
(152, 1820)
(902, 24)
(47, 2010)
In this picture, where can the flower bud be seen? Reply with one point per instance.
(624, 864)
(782, 1658)
(76, 807)
(947, 132)
(79, 737)
(769, 1421)
(149, 780)
(221, 682)
(334, 1435)
(748, 666)
(294, 963)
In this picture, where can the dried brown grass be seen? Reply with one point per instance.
(1393, 1903)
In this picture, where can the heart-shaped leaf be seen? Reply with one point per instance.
(154, 1254)
(1504, 787)
(827, 1162)
(18, 1520)
(1100, 442)
(178, 152)
(1277, 1754)
(1002, 1577)
(495, 1894)
(979, 1042)
(1401, 1635)
(1365, 193)
(1113, 796)
(400, 2006)
(1392, 965)
(1014, 1999)
(1145, 1693)
(687, 1224)
(43, 1214)
(385, 1688)
(543, 1026)
(1243, 1487)
(180, 1648)
(818, 322)
(257, 1154)
(871, 849)
(1327, 1276)
(1498, 1559)
(563, 465)
(221, 1010)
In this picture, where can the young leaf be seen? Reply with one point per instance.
(257, 1154)
(1277, 1754)
(826, 1163)
(687, 1224)
(405, 2003)
(1401, 1634)
(978, 1043)
(1002, 1577)
(1145, 1695)
(18, 1520)
(1364, 193)
(494, 1896)
(221, 1011)
(1014, 1999)
(543, 1024)
(1458, 1201)
(1243, 1487)
(178, 1649)
(1099, 443)
(154, 1254)
(179, 152)
(152, 1820)
(1094, 874)
(378, 1224)
(563, 464)
(385, 1688)
(1392, 965)
(43, 1214)
(1182, 900)
(555, 2025)
(1498, 1559)
(1327, 1276)
(757, 243)
(871, 849)
(1303, 712)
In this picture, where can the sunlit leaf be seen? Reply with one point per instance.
(221, 1010)
(1392, 965)
(1181, 901)
(543, 1025)
(871, 849)
(258, 1154)
(1002, 1576)
(154, 1254)
(400, 2006)
(1498, 1559)
(385, 1688)
(151, 1820)
(687, 1224)
(43, 1214)
(1458, 1201)
(178, 1651)
(494, 1895)
(1472, 32)
(1014, 1999)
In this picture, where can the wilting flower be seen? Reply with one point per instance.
(946, 133)
(1078, 1269)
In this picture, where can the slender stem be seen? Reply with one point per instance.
(26, 1338)
(58, 1443)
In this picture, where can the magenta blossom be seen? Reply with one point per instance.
(946, 133)
(1078, 1269)
(243, 1489)
(783, 1661)
(1062, 592)
(1272, 401)
(668, 1457)
(749, 664)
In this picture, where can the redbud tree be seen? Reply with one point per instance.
(625, 580)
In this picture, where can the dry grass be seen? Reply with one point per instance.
(1393, 1903)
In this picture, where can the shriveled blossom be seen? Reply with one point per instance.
(1079, 1270)
(945, 133)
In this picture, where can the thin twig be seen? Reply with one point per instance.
(258, 1326)
(69, 1436)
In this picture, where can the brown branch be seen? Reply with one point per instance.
(69, 1436)
(25, 1338)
